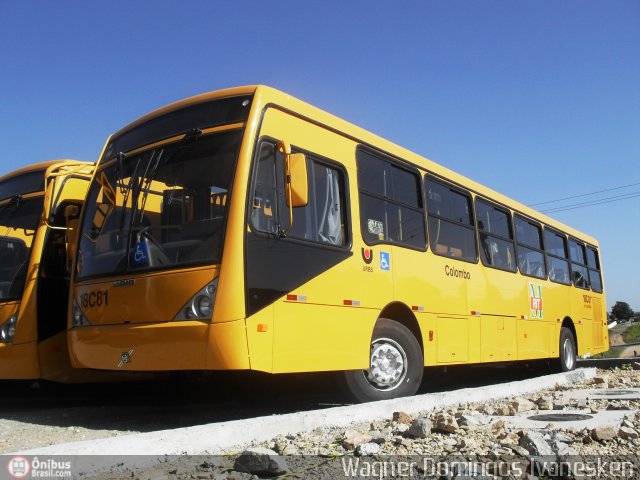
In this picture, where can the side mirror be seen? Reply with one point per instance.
(49, 196)
(71, 217)
(296, 181)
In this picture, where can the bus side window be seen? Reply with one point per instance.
(557, 263)
(322, 220)
(530, 252)
(391, 208)
(593, 262)
(496, 236)
(579, 271)
(451, 224)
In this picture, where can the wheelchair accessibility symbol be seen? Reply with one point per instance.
(140, 254)
(385, 261)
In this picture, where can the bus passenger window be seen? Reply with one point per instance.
(496, 237)
(530, 254)
(557, 263)
(390, 202)
(579, 271)
(593, 263)
(451, 225)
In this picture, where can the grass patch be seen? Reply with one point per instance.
(632, 334)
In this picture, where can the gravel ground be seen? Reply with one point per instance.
(469, 431)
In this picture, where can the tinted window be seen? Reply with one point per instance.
(390, 202)
(201, 115)
(556, 244)
(558, 270)
(592, 259)
(161, 208)
(595, 277)
(322, 220)
(496, 252)
(448, 203)
(22, 184)
(580, 276)
(493, 220)
(531, 260)
(577, 252)
(19, 219)
(528, 233)
(496, 240)
(451, 227)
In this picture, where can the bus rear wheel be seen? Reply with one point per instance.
(568, 351)
(396, 365)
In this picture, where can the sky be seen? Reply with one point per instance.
(537, 99)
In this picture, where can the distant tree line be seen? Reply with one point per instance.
(621, 311)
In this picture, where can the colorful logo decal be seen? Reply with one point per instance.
(18, 467)
(367, 255)
(535, 300)
(385, 261)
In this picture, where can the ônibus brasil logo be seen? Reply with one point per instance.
(19, 467)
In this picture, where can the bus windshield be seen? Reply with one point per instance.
(19, 219)
(161, 208)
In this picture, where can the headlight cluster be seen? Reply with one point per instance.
(200, 306)
(8, 329)
(79, 319)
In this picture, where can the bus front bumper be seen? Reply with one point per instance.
(186, 345)
(19, 362)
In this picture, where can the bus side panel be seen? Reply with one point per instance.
(19, 362)
(582, 316)
(556, 306)
(422, 284)
(312, 338)
(260, 328)
(496, 296)
(599, 324)
(534, 327)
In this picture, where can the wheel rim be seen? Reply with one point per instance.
(568, 354)
(388, 365)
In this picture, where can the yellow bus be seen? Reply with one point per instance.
(39, 206)
(244, 229)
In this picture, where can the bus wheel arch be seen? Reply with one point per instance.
(401, 313)
(396, 363)
(568, 323)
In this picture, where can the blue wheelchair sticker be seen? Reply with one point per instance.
(385, 261)
(140, 254)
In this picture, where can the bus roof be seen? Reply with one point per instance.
(39, 166)
(267, 96)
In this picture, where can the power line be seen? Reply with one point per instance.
(617, 198)
(585, 194)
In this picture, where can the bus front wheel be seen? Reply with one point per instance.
(568, 351)
(396, 365)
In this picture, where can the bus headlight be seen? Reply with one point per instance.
(200, 307)
(8, 329)
(78, 317)
(204, 306)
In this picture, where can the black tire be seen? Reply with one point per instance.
(568, 351)
(400, 365)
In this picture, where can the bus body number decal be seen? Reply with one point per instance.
(96, 298)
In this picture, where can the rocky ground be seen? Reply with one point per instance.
(419, 446)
